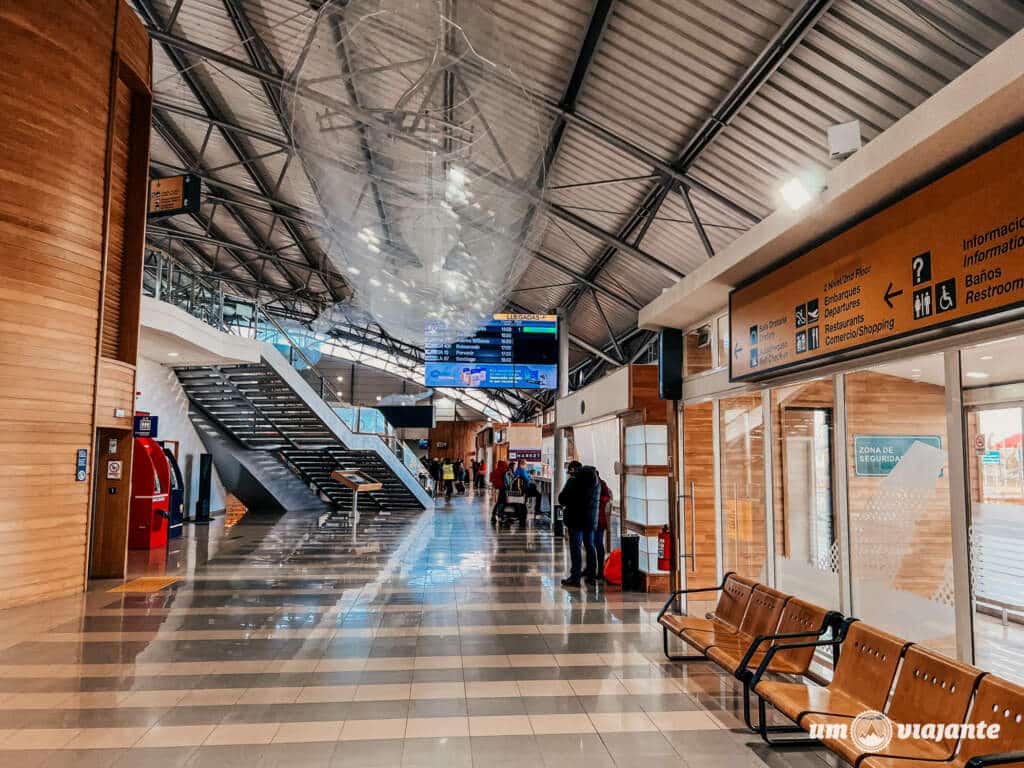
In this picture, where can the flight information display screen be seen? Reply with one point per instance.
(510, 352)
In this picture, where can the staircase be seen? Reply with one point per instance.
(269, 407)
(315, 467)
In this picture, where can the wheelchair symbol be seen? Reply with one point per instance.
(945, 296)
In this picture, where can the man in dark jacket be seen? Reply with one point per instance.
(580, 500)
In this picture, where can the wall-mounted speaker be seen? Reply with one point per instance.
(670, 364)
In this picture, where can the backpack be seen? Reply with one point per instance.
(515, 488)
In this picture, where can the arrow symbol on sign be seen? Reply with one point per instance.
(890, 294)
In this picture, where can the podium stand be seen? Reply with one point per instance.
(358, 482)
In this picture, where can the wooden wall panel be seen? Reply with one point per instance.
(115, 390)
(110, 338)
(55, 85)
(133, 43)
(700, 536)
(461, 439)
(643, 393)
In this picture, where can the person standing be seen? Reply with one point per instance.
(498, 483)
(481, 474)
(602, 526)
(448, 476)
(435, 474)
(581, 499)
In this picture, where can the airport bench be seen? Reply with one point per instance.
(863, 676)
(735, 592)
(930, 688)
(767, 617)
(995, 702)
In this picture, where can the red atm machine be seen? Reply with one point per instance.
(151, 493)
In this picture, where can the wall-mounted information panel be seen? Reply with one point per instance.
(949, 254)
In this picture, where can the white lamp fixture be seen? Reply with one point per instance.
(172, 354)
(795, 193)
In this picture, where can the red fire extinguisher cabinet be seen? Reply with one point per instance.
(151, 486)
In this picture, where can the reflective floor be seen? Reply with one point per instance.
(430, 640)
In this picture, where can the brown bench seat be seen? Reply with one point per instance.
(862, 679)
(996, 702)
(735, 592)
(930, 689)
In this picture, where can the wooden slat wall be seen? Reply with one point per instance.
(115, 391)
(110, 340)
(461, 439)
(700, 535)
(643, 393)
(54, 90)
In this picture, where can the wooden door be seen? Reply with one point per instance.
(111, 506)
(698, 535)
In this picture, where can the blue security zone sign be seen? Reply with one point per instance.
(876, 455)
(81, 465)
(992, 457)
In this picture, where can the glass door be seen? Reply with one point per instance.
(741, 454)
(698, 534)
(996, 534)
(806, 539)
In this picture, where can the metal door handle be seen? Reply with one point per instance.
(693, 529)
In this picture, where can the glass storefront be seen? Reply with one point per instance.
(841, 490)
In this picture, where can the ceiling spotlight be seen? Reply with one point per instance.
(378, 398)
(976, 375)
(795, 193)
(340, 378)
(986, 357)
(172, 354)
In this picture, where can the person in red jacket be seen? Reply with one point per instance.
(602, 525)
(498, 483)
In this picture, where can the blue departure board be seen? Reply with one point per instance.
(510, 352)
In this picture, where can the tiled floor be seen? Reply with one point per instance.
(431, 640)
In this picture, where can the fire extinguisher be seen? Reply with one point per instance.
(664, 550)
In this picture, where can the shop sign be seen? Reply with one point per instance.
(876, 455)
(949, 255)
(527, 454)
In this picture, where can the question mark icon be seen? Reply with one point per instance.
(921, 267)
